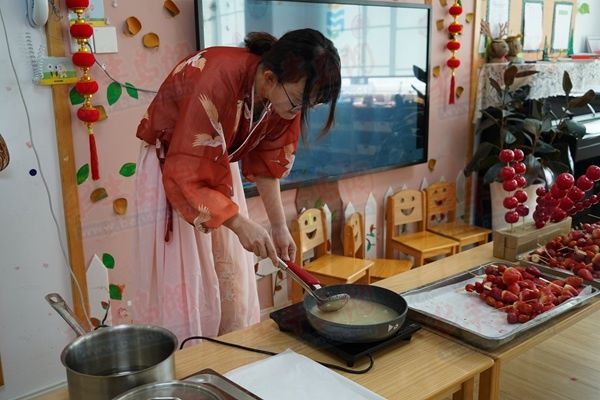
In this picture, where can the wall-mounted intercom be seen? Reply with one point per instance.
(37, 12)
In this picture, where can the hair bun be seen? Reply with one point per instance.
(259, 42)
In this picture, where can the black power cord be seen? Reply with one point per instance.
(270, 353)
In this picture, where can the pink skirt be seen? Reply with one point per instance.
(197, 283)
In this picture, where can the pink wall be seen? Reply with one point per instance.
(448, 133)
(104, 232)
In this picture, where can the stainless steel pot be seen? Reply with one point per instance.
(109, 361)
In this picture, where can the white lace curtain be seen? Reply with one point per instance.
(547, 82)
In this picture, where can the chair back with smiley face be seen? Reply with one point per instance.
(404, 207)
(440, 202)
(354, 236)
(309, 231)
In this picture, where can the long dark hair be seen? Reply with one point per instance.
(302, 53)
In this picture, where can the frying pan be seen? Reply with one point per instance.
(351, 333)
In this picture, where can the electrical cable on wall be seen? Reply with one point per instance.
(39, 165)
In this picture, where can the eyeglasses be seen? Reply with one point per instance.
(295, 107)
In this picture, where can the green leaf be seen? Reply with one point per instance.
(113, 93)
(483, 151)
(319, 203)
(509, 138)
(493, 173)
(496, 86)
(584, 8)
(532, 126)
(75, 97)
(115, 292)
(491, 117)
(127, 169)
(522, 74)
(509, 75)
(566, 83)
(83, 173)
(132, 91)
(574, 129)
(546, 125)
(545, 148)
(534, 169)
(583, 100)
(108, 260)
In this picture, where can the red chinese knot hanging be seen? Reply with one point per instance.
(86, 86)
(455, 28)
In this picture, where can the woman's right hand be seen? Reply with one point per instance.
(253, 237)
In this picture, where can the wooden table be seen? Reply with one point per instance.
(428, 367)
(489, 386)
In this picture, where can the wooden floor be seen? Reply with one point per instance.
(566, 367)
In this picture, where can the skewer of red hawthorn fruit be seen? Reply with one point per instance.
(578, 252)
(513, 182)
(521, 292)
(566, 197)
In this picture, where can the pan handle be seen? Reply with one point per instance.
(300, 272)
(61, 307)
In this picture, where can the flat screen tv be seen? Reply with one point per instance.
(382, 113)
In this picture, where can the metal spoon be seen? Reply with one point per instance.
(310, 283)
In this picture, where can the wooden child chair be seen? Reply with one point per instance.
(407, 206)
(309, 231)
(354, 240)
(440, 199)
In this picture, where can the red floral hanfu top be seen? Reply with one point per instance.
(202, 119)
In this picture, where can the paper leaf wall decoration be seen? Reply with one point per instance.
(108, 260)
(115, 292)
(83, 173)
(127, 169)
(113, 93)
(132, 91)
(75, 97)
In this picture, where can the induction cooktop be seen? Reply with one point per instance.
(292, 319)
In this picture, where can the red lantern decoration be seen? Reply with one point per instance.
(84, 59)
(454, 29)
(78, 4)
(88, 114)
(86, 87)
(81, 31)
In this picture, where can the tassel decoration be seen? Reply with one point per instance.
(454, 29)
(93, 156)
(86, 86)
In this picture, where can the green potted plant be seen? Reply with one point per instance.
(547, 139)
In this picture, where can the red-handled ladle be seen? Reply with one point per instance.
(311, 284)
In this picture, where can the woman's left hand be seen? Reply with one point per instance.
(284, 243)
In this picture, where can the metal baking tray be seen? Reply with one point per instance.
(439, 322)
(560, 272)
(227, 389)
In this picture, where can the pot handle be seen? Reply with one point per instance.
(301, 273)
(61, 307)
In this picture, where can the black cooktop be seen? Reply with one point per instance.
(293, 319)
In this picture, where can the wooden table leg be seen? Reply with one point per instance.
(466, 390)
(489, 382)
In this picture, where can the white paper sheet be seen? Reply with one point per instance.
(292, 376)
(561, 31)
(533, 30)
(452, 303)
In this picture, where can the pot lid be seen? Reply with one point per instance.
(176, 390)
